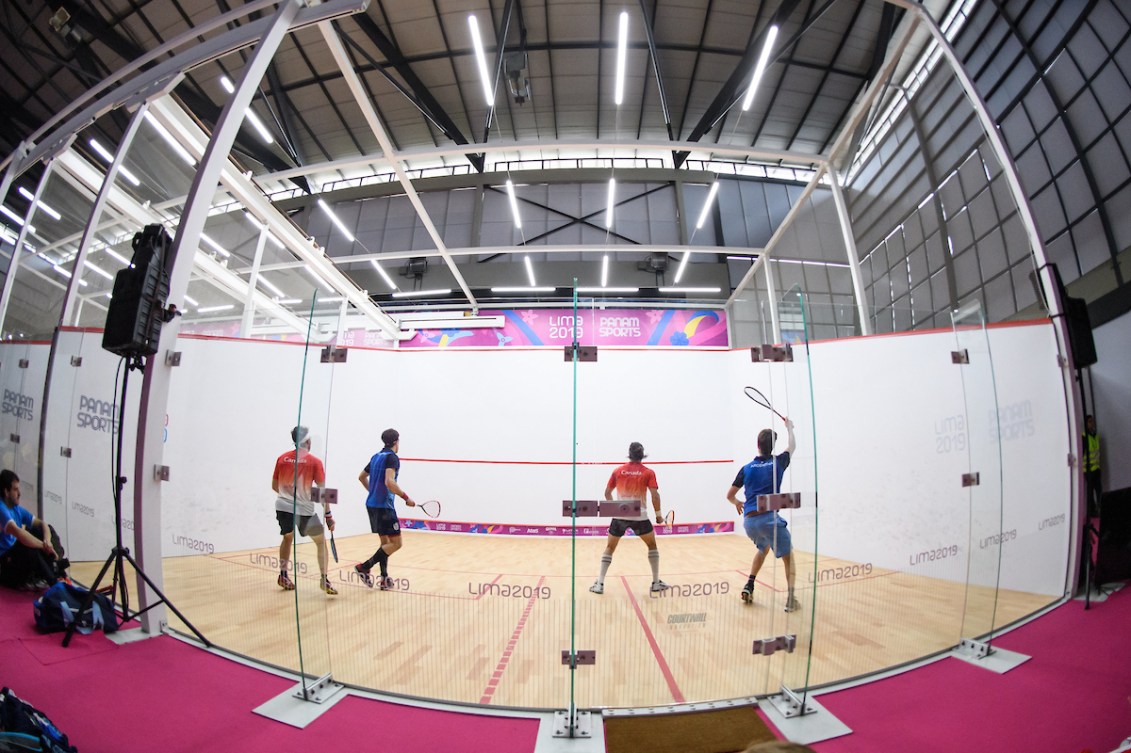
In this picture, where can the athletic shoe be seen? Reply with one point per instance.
(385, 583)
(365, 575)
(285, 582)
(597, 588)
(792, 604)
(659, 586)
(324, 584)
(748, 592)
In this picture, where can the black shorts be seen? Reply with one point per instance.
(639, 527)
(308, 525)
(384, 521)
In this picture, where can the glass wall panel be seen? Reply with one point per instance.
(23, 365)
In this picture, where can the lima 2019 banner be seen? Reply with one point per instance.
(534, 327)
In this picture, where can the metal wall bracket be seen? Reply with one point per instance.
(65, 451)
(619, 508)
(767, 352)
(14, 437)
(783, 501)
(24, 363)
(330, 354)
(789, 704)
(172, 358)
(974, 649)
(326, 496)
(76, 361)
(585, 353)
(586, 508)
(960, 356)
(581, 657)
(581, 726)
(320, 691)
(767, 646)
(1071, 460)
(160, 473)
(971, 479)
(1061, 361)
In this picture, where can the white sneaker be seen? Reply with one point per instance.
(597, 588)
(659, 586)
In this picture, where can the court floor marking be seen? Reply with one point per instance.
(504, 660)
(665, 670)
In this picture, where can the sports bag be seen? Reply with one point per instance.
(25, 728)
(59, 605)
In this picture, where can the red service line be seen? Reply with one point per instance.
(556, 462)
(504, 660)
(665, 670)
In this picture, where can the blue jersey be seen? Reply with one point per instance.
(762, 475)
(379, 494)
(18, 515)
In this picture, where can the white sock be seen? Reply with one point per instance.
(606, 560)
(654, 563)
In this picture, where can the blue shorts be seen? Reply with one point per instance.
(768, 531)
(384, 521)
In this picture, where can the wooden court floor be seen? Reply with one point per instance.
(485, 619)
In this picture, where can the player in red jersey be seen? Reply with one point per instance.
(633, 480)
(296, 472)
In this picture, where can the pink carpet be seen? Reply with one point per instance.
(1073, 695)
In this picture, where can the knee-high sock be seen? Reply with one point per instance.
(606, 560)
(654, 563)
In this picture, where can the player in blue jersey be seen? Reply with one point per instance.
(767, 530)
(379, 478)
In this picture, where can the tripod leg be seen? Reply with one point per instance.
(168, 603)
(86, 602)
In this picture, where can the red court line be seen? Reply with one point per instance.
(665, 670)
(504, 660)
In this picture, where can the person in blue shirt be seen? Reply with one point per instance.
(26, 553)
(767, 530)
(379, 478)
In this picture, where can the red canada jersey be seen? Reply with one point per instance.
(632, 481)
(307, 469)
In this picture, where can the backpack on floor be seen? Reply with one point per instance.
(25, 728)
(60, 604)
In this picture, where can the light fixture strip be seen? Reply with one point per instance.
(98, 270)
(325, 285)
(262, 280)
(211, 309)
(164, 133)
(192, 301)
(529, 270)
(690, 290)
(607, 290)
(481, 60)
(611, 201)
(707, 205)
(384, 275)
(337, 222)
(119, 257)
(682, 266)
(43, 207)
(215, 246)
(15, 217)
(605, 271)
(104, 153)
(622, 50)
(514, 204)
(421, 293)
(522, 289)
(760, 68)
(249, 113)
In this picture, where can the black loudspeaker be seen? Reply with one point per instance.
(1080, 332)
(133, 322)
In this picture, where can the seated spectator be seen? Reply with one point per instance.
(26, 555)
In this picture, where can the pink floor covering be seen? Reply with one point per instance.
(163, 695)
(1073, 695)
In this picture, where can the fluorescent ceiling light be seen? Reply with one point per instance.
(67, 274)
(331, 299)
(192, 301)
(605, 270)
(15, 217)
(607, 290)
(104, 153)
(46, 209)
(612, 199)
(760, 68)
(289, 301)
(119, 257)
(690, 290)
(421, 293)
(210, 309)
(215, 246)
(334, 218)
(743, 258)
(251, 116)
(682, 266)
(384, 275)
(707, 205)
(318, 279)
(529, 270)
(180, 150)
(262, 280)
(810, 263)
(481, 60)
(454, 322)
(520, 289)
(622, 45)
(98, 270)
(514, 204)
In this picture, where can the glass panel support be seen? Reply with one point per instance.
(319, 691)
(573, 723)
(789, 704)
